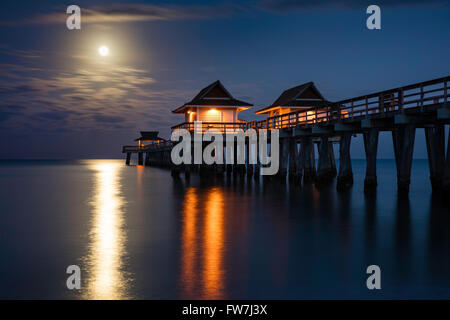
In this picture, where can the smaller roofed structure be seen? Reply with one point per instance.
(304, 96)
(149, 136)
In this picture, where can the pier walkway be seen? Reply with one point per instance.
(400, 111)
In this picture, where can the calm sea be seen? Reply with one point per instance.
(137, 233)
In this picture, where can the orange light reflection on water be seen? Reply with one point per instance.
(213, 245)
(202, 258)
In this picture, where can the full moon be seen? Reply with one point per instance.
(103, 51)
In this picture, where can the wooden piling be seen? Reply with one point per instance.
(324, 171)
(283, 159)
(257, 171)
(371, 148)
(249, 161)
(345, 178)
(293, 158)
(140, 158)
(187, 171)
(220, 169)
(127, 162)
(256, 166)
(229, 168)
(333, 171)
(309, 162)
(403, 138)
(299, 163)
(435, 139)
(235, 157)
(175, 171)
(446, 180)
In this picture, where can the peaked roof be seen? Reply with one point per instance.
(213, 95)
(149, 136)
(304, 95)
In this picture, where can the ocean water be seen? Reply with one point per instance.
(136, 233)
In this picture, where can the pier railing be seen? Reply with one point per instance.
(134, 148)
(420, 96)
(147, 147)
(222, 127)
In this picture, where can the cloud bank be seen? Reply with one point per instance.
(298, 5)
(135, 13)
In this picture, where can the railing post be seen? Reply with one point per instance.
(315, 118)
(421, 98)
(445, 92)
(381, 102)
(367, 108)
(353, 111)
(400, 100)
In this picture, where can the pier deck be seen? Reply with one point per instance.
(400, 110)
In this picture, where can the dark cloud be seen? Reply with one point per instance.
(7, 111)
(17, 89)
(136, 12)
(289, 5)
(53, 115)
(109, 119)
(89, 96)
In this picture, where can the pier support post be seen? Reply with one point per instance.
(250, 165)
(249, 170)
(345, 178)
(228, 166)
(187, 171)
(299, 163)
(220, 169)
(257, 171)
(127, 162)
(371, 149)
(403, 138)
(435, 138)
(147, 159)
(140, 158)
(229, 169)
(241, 166)
(241, 169)
(167, 160)
(309, 159)
(446, 180)
(293, 158)
(203, 170)
(235, 157)
(284, 157)
(175, 171)
(324, 171)
(333, 171)
(161, 158)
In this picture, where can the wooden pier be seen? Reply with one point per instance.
(399, 111)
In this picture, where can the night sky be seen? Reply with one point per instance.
(61, 99)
